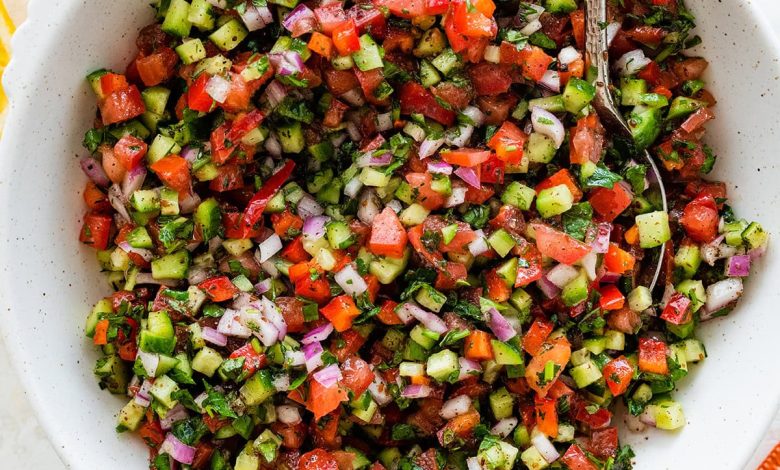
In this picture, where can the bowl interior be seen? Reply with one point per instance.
(48, 281)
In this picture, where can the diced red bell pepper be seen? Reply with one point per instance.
(678, 309)
(536, 335)
(254, 209)
(96, 231)
(618, 374)
(465, 156)
(652, 356)
(294, 251)
(341, 311)
(197, 98)
(611, 298)
(345, 38)
(253, 360)
(174, 172)
(534, 62)
(546, 416)
(617, 260)
(508, 142)
(610, 203)
(529, 267)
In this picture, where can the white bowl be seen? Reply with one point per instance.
(48, 280)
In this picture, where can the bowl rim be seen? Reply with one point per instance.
(23, 34)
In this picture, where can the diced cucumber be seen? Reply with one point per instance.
(539, 148)
(430, 298)
(507, 271)
(145, 200)
(191, 51)
(577, 95)
(342, 62)
(216, 65)
(585, 374)
(172, 266)
(615, 340)
(565, 433)
(373, 177)
(258, 388)
(694, 290)
(134, 128)
(501, 403)
(554, 201)
(285, 3)
(176, 22)
(207, 361)
(208, 218)
(653, 229)
(521, 300)
(694, 350)
(681, 331)
(112, 373)
(424, 337)
(755, 236)
(387, 269)
(101, 308)
(413, 215)
(156, 99)
(130, 417)
(158, 335)
(318, 180)
(553, 104)
(94, 81)
(229, 35)
(654, 100)
(645, 125)
(201, 15)
(733, 232)
(668, 414)
(519, 195)
(139, 238)
(431, 43)
(688, 259)
(640, 299)
(560, 6)
(631, 91)
(682, 106)
(291, 137)
(595, 345)
(368, 57)
(506, 354)
(502, 242)
(339, 235)
(162, 389)
(443, 365)
(575, 291)
(169, 201)
(429, 76)
(237, 247)
(161, 147)
(447, 62)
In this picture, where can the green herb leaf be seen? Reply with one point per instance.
(577, 220)
(603, 177)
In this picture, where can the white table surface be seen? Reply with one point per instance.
(23, 444)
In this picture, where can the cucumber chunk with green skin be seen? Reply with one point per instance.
(519, 195)
(540, 148)
(501, 403)
(443, 365)
(682, 106)
(130, 417)
(553, 104)
(172, 266)
(577, 94)
(191, 51)
(575, 291)
(291, 137)
(368, 57)
(208, 217)
(429, 76)
(506, 354)
(163, 389)
(508, 272)
(560, 6)
(387, 269)
(645, 125)
(158, 335)
(631, 91)
(430, 298)
(201, 15)
(176, 22)
(688, 260)
(554, 201)
(339, 235)
(112, 373)
(258, 388)
(207, 361)
(229, 35)
(653, 229)
(501, 241)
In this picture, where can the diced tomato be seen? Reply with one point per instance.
(508, 142)
(558, 245)
(546, 416)
(388, 236)
(335, 113)
(677, 310)
(173, 172)
(219, 288)
(286, 224)
(558, 352)
(463, 425)
(233, 227)
(252, 359)
(121, 105)
(203, 453)
(95, 199)
(574, 69)
(357, 375)
(648, 35)
(100, 337)
(416, 99)
(472, 22)
(330, 16)
(611, 298)
(112, 82)
(341, 311)
(617, 260)
(350, 343)
(96, 231)
(492, 171)
(245, 123)
(317, 459)
(159, 67)
(320, 44)
(700, 219)
(575, 459)
(345, 37)
(426, 196)
(654, 76)
(496, 108)
(458, 41)
(292, 312)
(130, 150)
(587, 140)
(490, 79)
(404, 8)
(610, 203)
(436, 7)
(477, 346)
(497, 288)
(387, 313)
(229, 178)
(558, 178)
(450, 276)
(322, 400)
(325, 433)
(536, 335)
(534, 62)
(696, 120)
(317, 290)
(478, 196)
(152, 433)
(239, 94)
(369, 82)
(577, 18)
(652, 356)
(618, 374)
(531, 269)
(465, 156)
(598, 419)
(429, 254)
(603, 443)
(197, 98)
(111, 165)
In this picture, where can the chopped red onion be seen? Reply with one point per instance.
(189, 202)
(147, 255)
(312, 352)
(457, 197)
(282, 382)
(318, 334)
(269, 247)
(396, 205)
(294, 358)
(350, 281)
(314, 227)
(472, 463)
(601, 243)
(263, 286)
(142, 396)
(458, 137)
(720, 295)
(384, 122)
(214, 337)
(309, 207)
(378, 391)
(612, 30)
(416, 391)
(475, 114)
(500, 326)
(609, 278)
(469, 175)
(442, 168)
(368, 206)
(549, 289)
(272, 314)
(300, 21)
(531, 28)
(353, 131)
(562, 274)
(368, 159)
(150, 362)
(231, 325)
(545, 447)
(404, 314)
(133, 180)
(177, 413)
(568, 54)
(190, 154)
(716, 250)
(634, 424)
(455, 407)
(648, 417)
(479, 245)
(738, 266)
(589, 262)
(218, 88)
(548, 124)
(242, 301)
(117, 200)
(328, 376)
(355, 98)
(94, 170)
(758, 252)
(275, 94)
(429, 147)
(504, 427)
(353, 187)
(288, 414)
(428, 319)
(631, 62)
(180, 452)
(551, 80)
(286, 63)
(266, 333)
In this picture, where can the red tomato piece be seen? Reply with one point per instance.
(130, 150)
(490, 79)
(618, 374)
(587, 140)
(388, 237)
(197, 98)
(252, 359)
(322, 400)
(558, 245)
(700, 219)
(677, 310)
(416, 99)
(229, 178)
(617, 260)
(558, 178)
(159, 67)
(345, 37)
(472, 22)
(341, 311)
(330, 16)
(493, 171)
(610, 203)
(112, 82)
(96, 231)
(536, 335)
(652, 356)
(575, 459)
(426, 196)
(357, 375)
(546, 416)
(405, 8)
(508, 142)
(122, 105)
(534, 62)
(465, 156)
(219, 288)
(174, 172)
(611, 298)
(317, 459)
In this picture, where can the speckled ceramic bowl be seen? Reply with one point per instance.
(48, 280)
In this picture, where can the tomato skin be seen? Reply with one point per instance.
(652, 356)
(197, 98)
(388, 237)
(152, 434)
(575, 459)
(96, 231)
(587, 140)
(96, 199)
(558, 245)
(490, 79)
(157, 68)
(474, 24)
(416, 99)
(122, 105)
(546, 416)
(112, 82)
(350, 344)
(700, 219)
(603, 443)
(387, 313)
(559, 352)
(492, 171)
(130, 150)
(618, 374)
(534, 62)
(317, 459)
(497, 288)
(323, 400)
(610, 203)
(677, 310)
(369, 81)
(405, 8)
(611, 298)
(617, 260)
(345, 37)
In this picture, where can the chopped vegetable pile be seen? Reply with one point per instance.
(395, 235)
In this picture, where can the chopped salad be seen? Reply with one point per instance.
(394, 234)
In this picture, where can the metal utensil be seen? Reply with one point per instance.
(604, 104)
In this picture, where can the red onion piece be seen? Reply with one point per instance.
(328, 376)
(549, 289)
(738, 266)
(309, 207)
(504, 427)
(568, 54)
(609, 278)
(288, 414)
(472, 463)
(300, 21)
(479, 245)
(601, 243)
(468, 368)
(631, 62)
(442, 168)
(314, 227)
(177, 413)
(318, 334)
(263, 286)
(214, 337)
(312, 352)
(355, 98)
(142, 396)
(286, 63)
(416, 391)
(551, 80)
(180, 452)
(230, 325)
(94, 170)
(147, 278)
(500, 326)
(384, 122)
(269, 247)
(455, 407)
(720, 295)
(548, 124)
(350, 281)
(429, 147)
(428, 319)
(282, 382)
(133, 180)
(117, 200)
(272, 314)
(475, 114)
(294, 358)
(545, 447)
(218, 88)
(190, 154)
(378, 391)
(368, 159)
(274, 94)
(457, 197)
(562, 274)
(460, 136)
(147, 255)
(253, 18)
(469, 175)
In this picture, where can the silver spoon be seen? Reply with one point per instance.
(597, 51)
